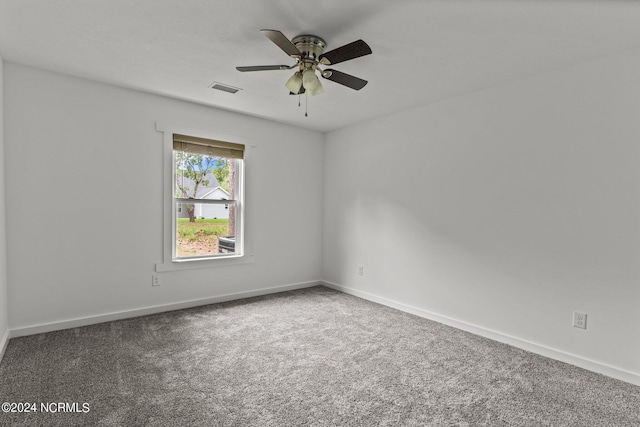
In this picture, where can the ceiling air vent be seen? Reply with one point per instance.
(223, 87)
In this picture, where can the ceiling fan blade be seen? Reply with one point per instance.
(344, 79)
(349, 51)
(282, 42)
(263, 68)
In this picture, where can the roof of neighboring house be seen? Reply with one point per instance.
(202, 189)
(225, 192)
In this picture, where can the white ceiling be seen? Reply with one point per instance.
(423, 51)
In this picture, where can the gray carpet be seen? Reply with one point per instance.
(312, 357)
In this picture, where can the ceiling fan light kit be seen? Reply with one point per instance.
(316, 90)
(294, 84)
(310, 80)
(308, 51)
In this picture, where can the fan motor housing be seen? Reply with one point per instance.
(310, 46)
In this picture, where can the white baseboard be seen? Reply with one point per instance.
(542, 350)
(4, 341)
(144, 311)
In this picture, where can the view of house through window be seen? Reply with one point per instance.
(208, 206)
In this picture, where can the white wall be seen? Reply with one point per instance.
(506, 209)
(84, 190)
(4, 319)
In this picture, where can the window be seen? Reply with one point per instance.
(207, 198)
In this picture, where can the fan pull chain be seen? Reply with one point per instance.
(306, 104)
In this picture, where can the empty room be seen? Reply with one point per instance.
(335, 213)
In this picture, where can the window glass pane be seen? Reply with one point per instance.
(204, 229)
(208, 234)
(203, 177)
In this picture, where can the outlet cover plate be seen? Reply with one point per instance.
(579, 320)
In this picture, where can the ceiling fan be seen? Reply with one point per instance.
(308, 51)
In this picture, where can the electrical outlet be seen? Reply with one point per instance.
(579, 320)
(360, 271)
(155, 280)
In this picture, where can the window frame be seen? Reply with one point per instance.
(169, 262)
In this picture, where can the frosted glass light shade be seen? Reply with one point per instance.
(310, 80)
(316, 90)
(294, 84)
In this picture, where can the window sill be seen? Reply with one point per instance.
(190, 264)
